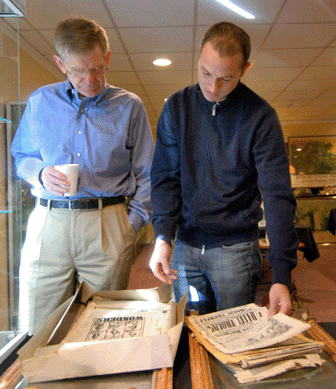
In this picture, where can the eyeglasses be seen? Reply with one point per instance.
(82, 73)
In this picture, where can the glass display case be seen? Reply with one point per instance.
(10, 198)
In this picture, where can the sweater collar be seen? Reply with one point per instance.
(232, 95)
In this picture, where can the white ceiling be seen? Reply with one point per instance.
(293, 47)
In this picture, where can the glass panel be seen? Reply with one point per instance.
(11, 233)
(5, 10)
(12, 8)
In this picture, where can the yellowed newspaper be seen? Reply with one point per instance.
(255, 346)
(105, 319)
(245, 328)
(273, 369)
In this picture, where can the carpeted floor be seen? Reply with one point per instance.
(141, 275)
(316, 284)
(315, 281)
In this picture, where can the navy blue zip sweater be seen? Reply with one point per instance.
(213, 164)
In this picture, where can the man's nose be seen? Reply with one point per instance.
(89, 76)
(215, 85)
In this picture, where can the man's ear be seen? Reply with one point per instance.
(59, 63)
(107, 59)
(248, 64)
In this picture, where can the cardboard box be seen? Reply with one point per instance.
(45, 358)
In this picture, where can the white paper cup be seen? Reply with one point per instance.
(71, 171)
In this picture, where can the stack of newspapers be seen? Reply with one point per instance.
(255, 346)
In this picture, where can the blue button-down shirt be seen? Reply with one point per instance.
(108, 136)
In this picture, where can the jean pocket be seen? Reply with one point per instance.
(238, 246)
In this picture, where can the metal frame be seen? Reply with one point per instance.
(14, 201)
(16, 8)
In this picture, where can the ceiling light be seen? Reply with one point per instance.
(162, 62)
(236, 9)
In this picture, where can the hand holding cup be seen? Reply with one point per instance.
(56, 181)
(71, 171)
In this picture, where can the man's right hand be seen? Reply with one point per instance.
(160, 262)
(54, 181)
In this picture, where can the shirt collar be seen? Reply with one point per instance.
(72, 93)
(102, 94)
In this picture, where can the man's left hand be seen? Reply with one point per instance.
(280, 300)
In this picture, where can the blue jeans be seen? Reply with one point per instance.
(218, 278)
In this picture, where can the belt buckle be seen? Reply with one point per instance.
(82, 204)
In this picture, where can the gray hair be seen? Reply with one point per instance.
(78, 35)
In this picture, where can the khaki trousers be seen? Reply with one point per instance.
(64, 247)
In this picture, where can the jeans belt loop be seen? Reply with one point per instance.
(100, 204)
(49, 205)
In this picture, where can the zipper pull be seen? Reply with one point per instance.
(214, 109)
(203, 249)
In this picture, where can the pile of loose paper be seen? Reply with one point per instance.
(253, 345)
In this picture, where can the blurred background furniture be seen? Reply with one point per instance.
(332, 221)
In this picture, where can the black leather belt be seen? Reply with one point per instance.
(81, 203)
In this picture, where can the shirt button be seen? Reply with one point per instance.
(78, 154)
(79, 132)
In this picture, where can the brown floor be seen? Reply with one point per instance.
(315, 281)
(316, 284)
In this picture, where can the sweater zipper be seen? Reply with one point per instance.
(214, 106)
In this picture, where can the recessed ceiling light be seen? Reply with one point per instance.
(236, 9)
(162, 62)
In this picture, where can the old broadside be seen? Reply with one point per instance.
(255, 346)
(105, 319)
(246, 328)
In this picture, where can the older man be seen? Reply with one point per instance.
(105, 130)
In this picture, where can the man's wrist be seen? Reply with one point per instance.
(164, 238)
